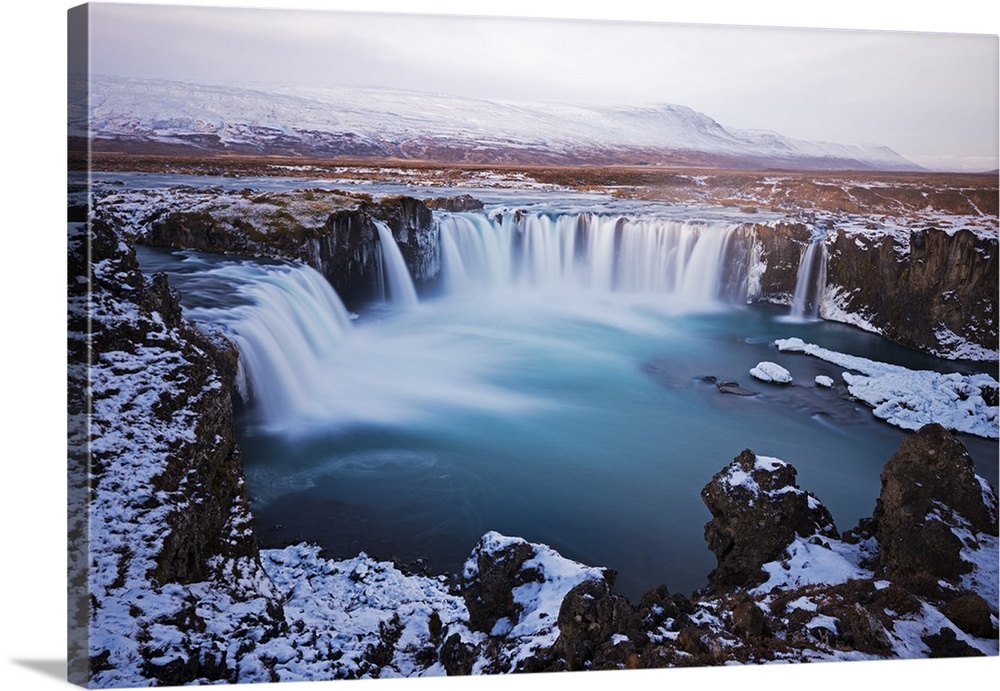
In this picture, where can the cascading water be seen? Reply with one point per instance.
(810, 282)
(401, 291)
(285, 319)
(580, 418)
(690, 261)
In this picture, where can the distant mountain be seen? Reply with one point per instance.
(160, 116)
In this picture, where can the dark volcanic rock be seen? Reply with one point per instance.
(461, 202)
(456, 656)
(589, 619)
(933, 292)
(930, 489)
(749, 619)
(944, 643)
(734, 388)
(781, 251)
(488, 588)
(757, 510)
(412, 225)
(332, 233)
(916, 295)
(971, 613)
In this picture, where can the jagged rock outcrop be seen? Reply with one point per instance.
(494, 571)
(592, 625)
(461, 202)
(412, 225)
(757, 510)
(930, 498)
(515, 591)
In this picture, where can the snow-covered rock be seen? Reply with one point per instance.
(757, 511)
(823, 381)
(169, 588)
(771, 373)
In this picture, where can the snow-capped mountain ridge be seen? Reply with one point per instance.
(371, 122)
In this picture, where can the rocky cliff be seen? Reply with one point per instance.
(157, 503)
(332, 232)
(927, 289)
(930, 289)
(173, 589)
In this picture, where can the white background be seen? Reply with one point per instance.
(32, 551)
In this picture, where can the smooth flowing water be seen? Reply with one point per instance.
(810, 281)
(557, 391)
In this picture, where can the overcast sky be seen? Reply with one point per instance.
(931, 97)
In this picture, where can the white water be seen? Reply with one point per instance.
(288, 325)
(592, 252)
(401, 291)
(810, 282)
(550, 398)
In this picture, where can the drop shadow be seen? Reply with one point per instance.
(50, 668)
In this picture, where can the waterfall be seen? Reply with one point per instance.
(393, 272)
(810, 281)
(698, 263)
(288, 323)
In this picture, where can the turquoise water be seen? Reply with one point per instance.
(580, 419)
(604, 459)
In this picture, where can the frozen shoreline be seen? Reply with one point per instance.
(910, 399)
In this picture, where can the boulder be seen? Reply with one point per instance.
(461, 202)
(771, 373)
(757, 510)
(971, 613)
(592, 621)
(945, 643)
(931, 499)
(749, 619)
(491, 575)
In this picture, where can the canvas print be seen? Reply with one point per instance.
(413, 345)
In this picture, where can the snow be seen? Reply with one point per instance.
(169, 111)
(336, 611)
(769, 464)
(535, 627)
(833, 308)
(909, 398)
(830, 562)
(823, 381)
(803, 603)
(983, 552)
(953, 346)
(343, 605)
(771, 372)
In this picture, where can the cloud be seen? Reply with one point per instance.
(921, 94)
